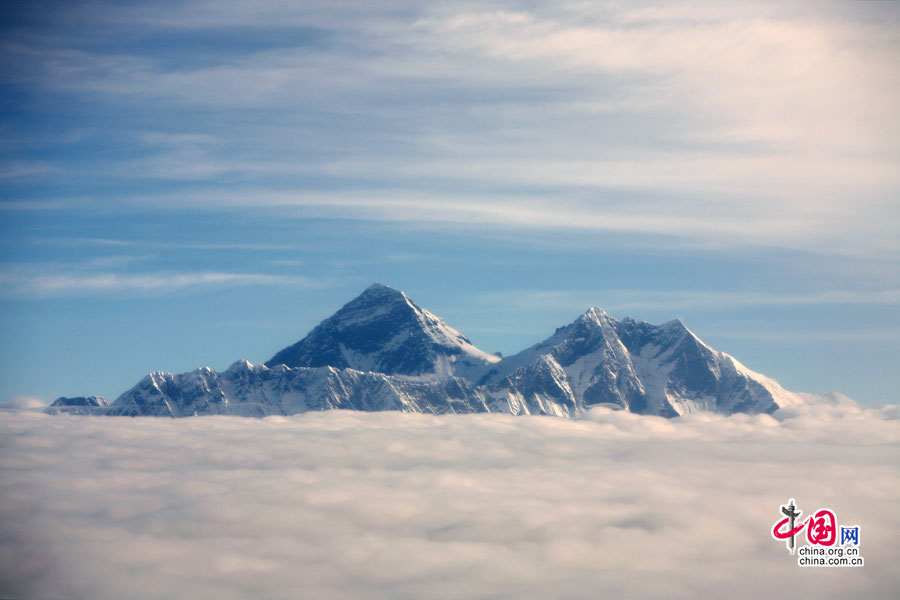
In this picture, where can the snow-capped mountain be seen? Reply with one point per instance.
(650, 369)
(383, 331)
(383, 352)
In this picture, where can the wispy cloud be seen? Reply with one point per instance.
(676, 220)
(117, 260)
(807, 337)
(612, 299)
(35, 205)
(768, 126)
(19, 285)
(761, 78)
(168, 244)
(25, 169)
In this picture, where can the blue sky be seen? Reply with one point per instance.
(190, 183)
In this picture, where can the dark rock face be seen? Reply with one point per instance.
(383, 352)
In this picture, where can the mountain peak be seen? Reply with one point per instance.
(674, 324)
(382, 330)
(593, 319)
(595, 313)
(382, 291)
(378, 294)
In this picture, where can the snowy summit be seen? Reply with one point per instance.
(383, 331)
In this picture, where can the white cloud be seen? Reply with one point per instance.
(77, 241)
(22, 169)
(758, 77)
(116, 261)
(723, 225)
(618, 299)
(389, 505)
(19, 284)
(773, 125)
(23, 403)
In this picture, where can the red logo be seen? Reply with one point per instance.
(821, 527)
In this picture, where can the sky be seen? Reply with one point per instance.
(189, 183)
(343, 504)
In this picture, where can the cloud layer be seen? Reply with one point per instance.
(773, 124)
(389, 505)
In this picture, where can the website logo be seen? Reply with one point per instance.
(822, 549)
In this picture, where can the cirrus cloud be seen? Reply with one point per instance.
(21, 285)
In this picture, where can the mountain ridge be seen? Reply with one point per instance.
(381, 351)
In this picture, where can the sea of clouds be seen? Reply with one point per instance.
(389, 505)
